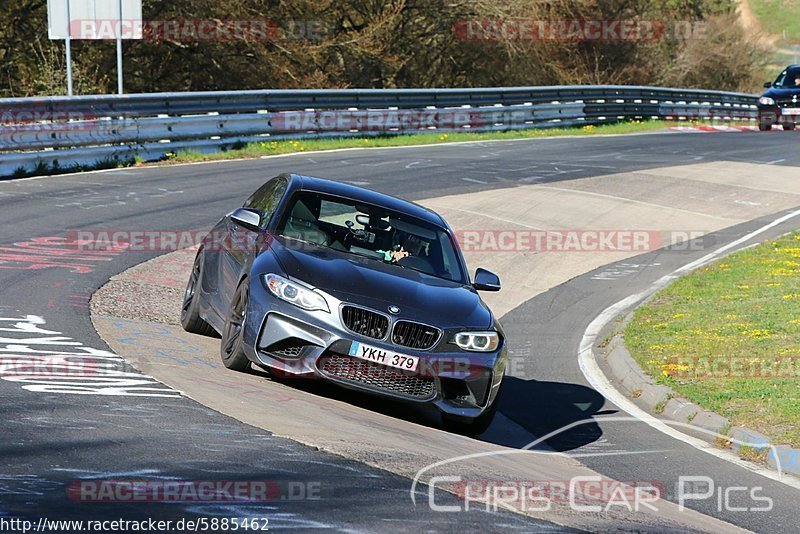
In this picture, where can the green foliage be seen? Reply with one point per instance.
(371, 44)
(41, 168)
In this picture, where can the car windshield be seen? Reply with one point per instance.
(788, 79)
(373, 232)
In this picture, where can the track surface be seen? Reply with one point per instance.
(52, 439)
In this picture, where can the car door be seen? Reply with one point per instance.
(243, 244)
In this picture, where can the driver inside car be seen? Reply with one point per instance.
(410, 246)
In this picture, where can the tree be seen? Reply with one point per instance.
(387, 43)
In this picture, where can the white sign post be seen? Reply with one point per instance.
(94, 20)
(68, 42)
(119, 49)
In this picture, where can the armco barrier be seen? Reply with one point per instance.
(39, 134)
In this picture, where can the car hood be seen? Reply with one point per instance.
(378, 285)
(782, 93)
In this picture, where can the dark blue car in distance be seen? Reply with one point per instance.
(316, 278)
(781, 103)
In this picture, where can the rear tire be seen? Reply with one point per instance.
(764, 127)
(788, 127)
(232, 345)
(190, 310)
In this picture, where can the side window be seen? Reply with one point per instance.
(782, 78)
(266, 199)
(790, 79)
(338, 213)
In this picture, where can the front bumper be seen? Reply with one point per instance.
(778, 114)
(298, 343)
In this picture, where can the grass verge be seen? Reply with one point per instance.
(779, 17)
(727, 337)
(271, 148)
(780, 20)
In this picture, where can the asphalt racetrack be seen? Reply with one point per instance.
(341, 461)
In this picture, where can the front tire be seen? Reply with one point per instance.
(232, 345)
(190, 310)
(788, 127)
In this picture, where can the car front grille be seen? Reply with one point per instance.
(364, 322)
(377, 376)
(415, 335)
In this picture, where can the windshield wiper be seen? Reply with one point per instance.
(301, 240)
(361, 255)
(410, 268)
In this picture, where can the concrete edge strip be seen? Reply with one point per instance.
(634, 381)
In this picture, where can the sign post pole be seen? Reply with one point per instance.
(119, 50)
(69, 48)
(89, 20)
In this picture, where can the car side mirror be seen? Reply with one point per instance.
(247, 218)
(486, 280)
(767, 84)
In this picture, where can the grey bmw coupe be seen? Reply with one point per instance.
(318, 278)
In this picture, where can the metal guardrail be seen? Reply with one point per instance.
(38, 135)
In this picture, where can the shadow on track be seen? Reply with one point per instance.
(538, 407)
(545, 407)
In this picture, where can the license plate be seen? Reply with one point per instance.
(790, 111)
(383, 357)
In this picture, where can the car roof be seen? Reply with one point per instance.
(367, 196)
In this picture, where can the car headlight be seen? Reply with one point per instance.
(766, 101)
(294, 293)
(477, 341)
